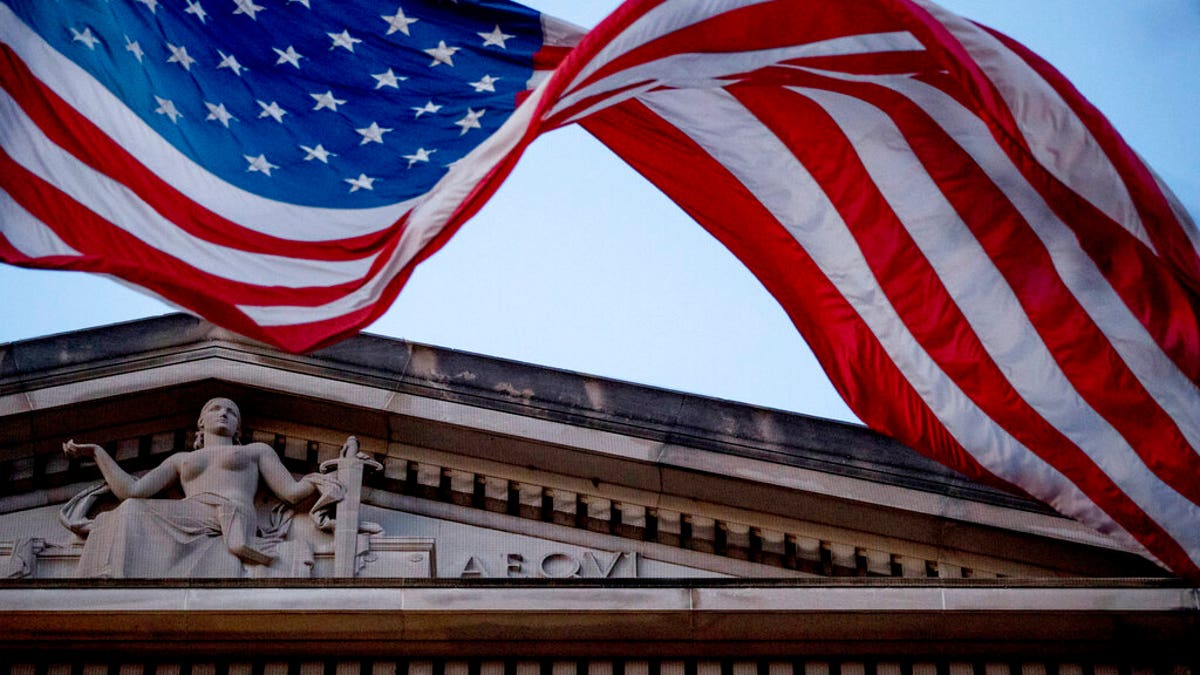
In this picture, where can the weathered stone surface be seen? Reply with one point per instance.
(28, 357)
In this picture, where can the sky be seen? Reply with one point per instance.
(579, 263)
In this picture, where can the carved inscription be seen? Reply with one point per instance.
(554, 565)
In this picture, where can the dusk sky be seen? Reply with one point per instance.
(578, 263)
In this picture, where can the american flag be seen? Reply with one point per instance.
(984, 268)
(268, 165)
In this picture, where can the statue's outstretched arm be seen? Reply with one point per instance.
(280, 480)
(123, 485)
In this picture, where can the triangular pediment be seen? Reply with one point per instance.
(496, 469)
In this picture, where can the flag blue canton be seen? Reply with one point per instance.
(311, 102)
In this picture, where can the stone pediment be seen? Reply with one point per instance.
(495, 469)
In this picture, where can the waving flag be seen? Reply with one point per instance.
(271, 166)
(984, 268)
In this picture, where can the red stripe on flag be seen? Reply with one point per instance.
(548, 57)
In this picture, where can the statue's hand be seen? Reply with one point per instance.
(75, 450)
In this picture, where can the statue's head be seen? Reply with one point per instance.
(219, 416)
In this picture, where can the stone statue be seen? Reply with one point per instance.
(216, 529)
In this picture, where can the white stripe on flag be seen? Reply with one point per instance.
(28, 234)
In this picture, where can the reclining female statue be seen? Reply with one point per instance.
(214, 530)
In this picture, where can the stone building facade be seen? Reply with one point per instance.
(518, 520)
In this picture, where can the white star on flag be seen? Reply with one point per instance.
(194, 8)
(421, 155)
(398, 22)
(303, 2)
(327, 100)
(372, 134)
(318, 153)
(441, 54)
(85, 37)
(179, 55)
(134, 48)
(289, 55)
(471, 120)
(272, 110)
(363, 182)
(167, 107)
(495, 38)
(228, 61)
(388, 79)
(217, 112)
(259, 164)
(343, 40)
(152, 4)
(485, 83)
(248, 8)
(429, 107)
